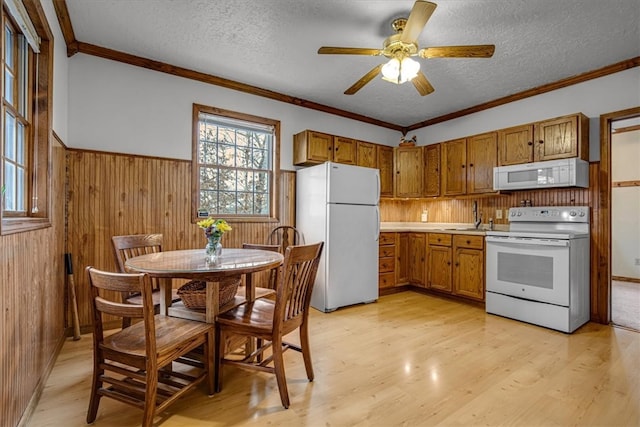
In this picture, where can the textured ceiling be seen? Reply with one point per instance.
(273, 44)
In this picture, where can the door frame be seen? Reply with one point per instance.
(601, 247)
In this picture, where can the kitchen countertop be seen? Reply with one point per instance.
(435, 227)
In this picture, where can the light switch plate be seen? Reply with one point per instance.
(498, 213)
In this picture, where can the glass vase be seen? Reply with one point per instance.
(213, 250)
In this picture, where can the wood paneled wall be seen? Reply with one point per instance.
(116, 194)
(32, 295)
(460, 211)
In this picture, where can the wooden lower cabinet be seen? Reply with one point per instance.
(417, 248)
(439, 262)
(468, 266)
(387, 260)
(402, 264)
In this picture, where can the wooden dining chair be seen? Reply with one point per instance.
(138, 362)
(129, 246)
(268, 321)
(285, 236)
(261, 278)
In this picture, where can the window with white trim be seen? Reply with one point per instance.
(234, 164)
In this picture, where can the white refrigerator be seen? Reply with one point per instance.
(338, 204)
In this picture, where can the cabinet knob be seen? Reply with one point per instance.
(468, 242)
(462, 166)
(541, 142)
(448, 262)
(470, 165)
(530, 143)
(456, 264)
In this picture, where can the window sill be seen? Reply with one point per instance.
(21, 225)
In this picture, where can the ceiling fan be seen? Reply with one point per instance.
(400, 47)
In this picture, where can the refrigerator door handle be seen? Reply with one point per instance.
(377, 223)
(379, 188)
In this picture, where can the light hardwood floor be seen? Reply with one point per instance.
(407, 360)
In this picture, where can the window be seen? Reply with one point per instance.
(25, 116)
(235, 164)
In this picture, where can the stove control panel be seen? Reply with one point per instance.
(549, 214)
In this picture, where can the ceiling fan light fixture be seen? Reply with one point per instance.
(400, 71)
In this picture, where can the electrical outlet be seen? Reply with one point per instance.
(637, 261)
(498, 213)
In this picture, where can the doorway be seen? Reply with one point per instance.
(625, 227)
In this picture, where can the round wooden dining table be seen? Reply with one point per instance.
(191, 264)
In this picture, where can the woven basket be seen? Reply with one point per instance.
(194, 293)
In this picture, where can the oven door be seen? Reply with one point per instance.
(529, 268)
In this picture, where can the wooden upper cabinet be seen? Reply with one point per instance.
(431, 156)
(559, 138)
(562, 138)
(311, 148)
(453, 167)
(345, 150)
(409, 173)
(515, 145)
(367, 154)
(482, 157)
(385, 166)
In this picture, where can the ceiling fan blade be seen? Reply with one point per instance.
(328, 50)
(471, 51)
(422, 84)
(364, 80)
(418, 18)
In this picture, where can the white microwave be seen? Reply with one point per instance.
(571, 172)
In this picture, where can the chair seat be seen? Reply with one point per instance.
(131, 340)
(254, 316)
(156, 295)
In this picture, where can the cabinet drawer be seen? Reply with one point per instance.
(441, 239)
(386, 280)
(387, 239)
(468, 241)
(387, 251)
(386, 265)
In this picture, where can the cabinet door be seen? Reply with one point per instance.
(409, 175)
(402, 264)
(468, 273)
(482, 157)
(432, 170)
(310, 147)
(439, 268)
(417, 247)
(556, 138)
(385, 165)
(515, 145)
(367, 154)
(344, 150)
(454, 163)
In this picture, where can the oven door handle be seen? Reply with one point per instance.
(526, 241)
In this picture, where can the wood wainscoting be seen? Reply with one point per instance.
(32, 295)
(116, 194)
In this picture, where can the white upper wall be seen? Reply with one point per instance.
(607, 94)
(60, 74)
(125, 109)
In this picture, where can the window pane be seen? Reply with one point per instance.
(245, 203)
(207, 152)
(8, 86)
(227, 202)
(10, 184)
(8, 47)
(209, 178)
(227, 180)
(261, 202)
(21, 146)
(243, 157)
(226, 155)
(10, 136)
(23, 77)
(20, 190)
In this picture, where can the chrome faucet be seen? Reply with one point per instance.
(477, 219)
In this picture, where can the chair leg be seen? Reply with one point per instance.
(96, 384)
(306, 350)
(150, 397)
(278, 363)
(217, 359)
(209, 354)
